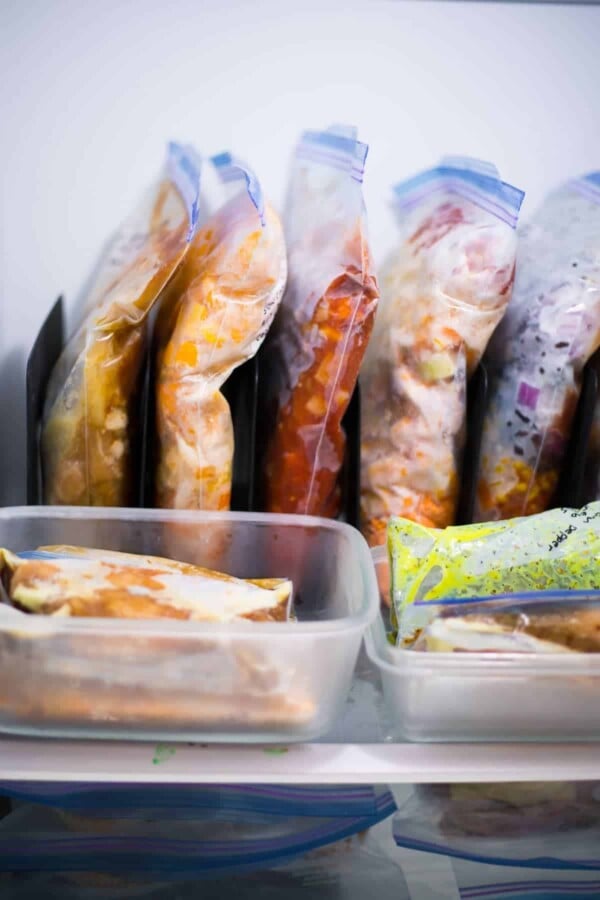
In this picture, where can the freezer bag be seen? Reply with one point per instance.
(532, 824)
(554, 551)
(537, 356)
(77, 581)
(347, 869)
(315, 349)
(218, 311)
(212, 843)
(444, 289)
(90, 416)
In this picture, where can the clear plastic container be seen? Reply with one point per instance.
(469, 697)
(184, 680)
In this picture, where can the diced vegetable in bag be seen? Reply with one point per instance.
(315, 349)
(537, 356)
(554, 551)
(218, 311)
(444, 290)
(90, 417)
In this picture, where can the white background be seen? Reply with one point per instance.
(90, 92)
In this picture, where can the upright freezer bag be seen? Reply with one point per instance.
(218, 311)
(90, 420)
(444, 290)
(319, 337)
(537, 356)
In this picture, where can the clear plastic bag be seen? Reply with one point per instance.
(537, 356)
(549, 824)
(347, 869)
(90, 416)
(219, 309)
(315, 349)
(79, 581)
(444, 290)
(217, 841)
(554, 551)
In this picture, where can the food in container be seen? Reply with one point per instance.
(536, 359)
(556, 550)
(77, 581)
(444, 288)
(166, 678)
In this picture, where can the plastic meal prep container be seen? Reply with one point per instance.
(465, 697)
(180, 679)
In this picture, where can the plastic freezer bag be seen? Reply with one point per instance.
(315, 349)
(215, 842)
(79, 581)
(347, 869)
(477, 881)
(537, 356)
(90, 420)
(219, 309)
(182, 802)
(533, 824)
(554, 551)
(444, 290)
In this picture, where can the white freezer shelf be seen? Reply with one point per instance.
(23, 759)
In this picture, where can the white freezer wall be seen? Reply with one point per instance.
(90, 92)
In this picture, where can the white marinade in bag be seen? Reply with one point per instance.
(90, 412)
(316, 346)
(219, 309)
(444, 290)
(537, 356)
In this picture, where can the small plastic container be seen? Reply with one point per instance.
(467, 697)
(185, 680)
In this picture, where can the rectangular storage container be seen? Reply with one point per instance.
(185, 680)
(467, 697)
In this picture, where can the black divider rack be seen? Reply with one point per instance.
(43, 356)
(242, 392)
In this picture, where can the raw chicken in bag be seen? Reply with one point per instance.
(90, 411)
(217, 313)
(537, 356)
(444, 290)
(315, 349)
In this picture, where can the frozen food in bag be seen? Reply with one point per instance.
(537, 356)
(554, 551)
(554, 823)
(315, 348)
(78, 581)
(219, 309)
(90, 420)
(444, 289)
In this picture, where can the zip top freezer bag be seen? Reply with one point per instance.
(218, 311)
(315, 349)
(214, 842)
(90, 419)
(444, 290)
(552, 824)
(537, 356)
(555, 551)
